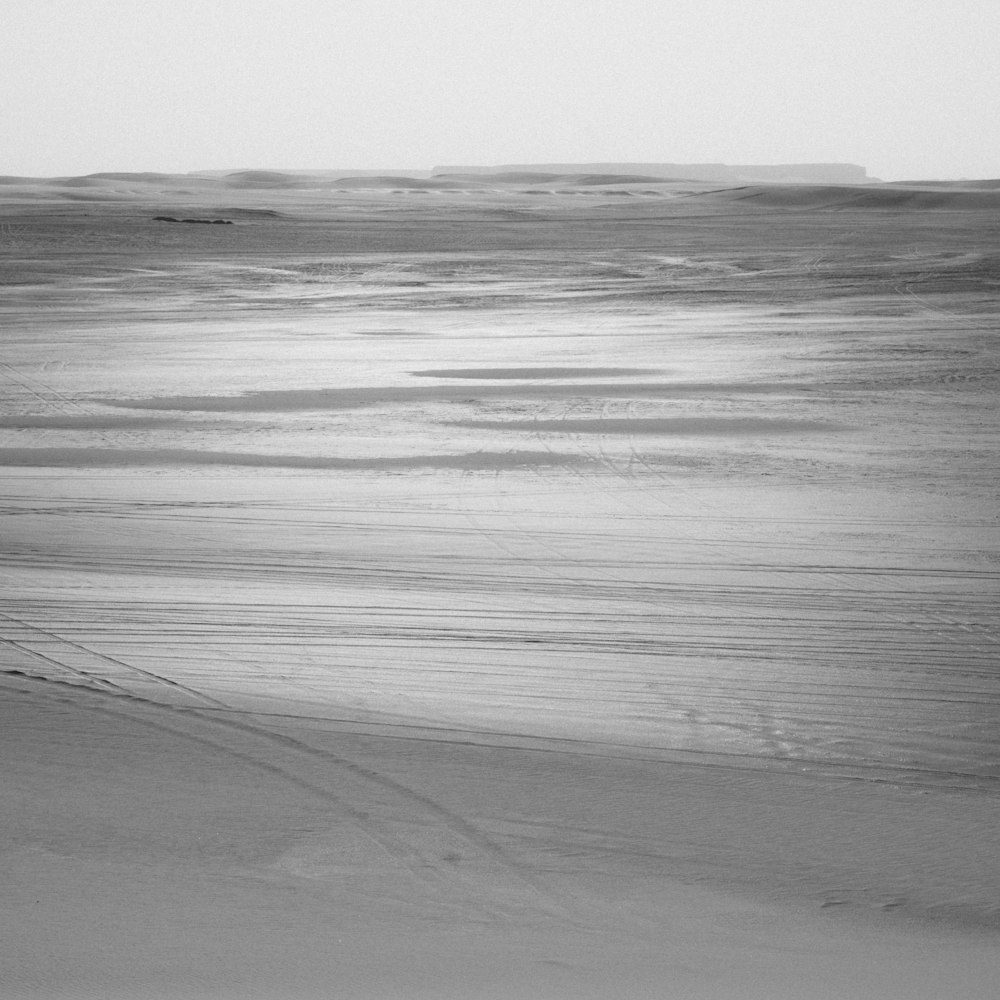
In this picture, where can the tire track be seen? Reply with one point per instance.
(172, 685)
(771, 731)
(841, 578)
(432, 835)
(90, 680)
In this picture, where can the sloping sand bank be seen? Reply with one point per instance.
(156, 852)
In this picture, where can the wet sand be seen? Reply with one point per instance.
(500, 597)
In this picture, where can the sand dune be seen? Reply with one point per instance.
(970, 185)
(588, 180)
(505, 177)
(146, 177)
(395, 181)
(271, 179)
(261, 179)
(873, 198)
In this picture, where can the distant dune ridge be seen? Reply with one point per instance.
(875, 196)
(207, 195)
(583, 174)
(787, 173)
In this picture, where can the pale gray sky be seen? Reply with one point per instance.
(909, 88)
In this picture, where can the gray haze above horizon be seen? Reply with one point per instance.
(908, 88)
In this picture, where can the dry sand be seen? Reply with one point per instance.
(462, 590)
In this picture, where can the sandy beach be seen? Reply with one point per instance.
(471, 588)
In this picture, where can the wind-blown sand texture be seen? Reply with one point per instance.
(498, 587)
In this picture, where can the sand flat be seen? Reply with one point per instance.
(685, 426)
(513, 599)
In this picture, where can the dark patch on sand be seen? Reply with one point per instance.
(487, 461)
(289, 400)
(392, 333)
(85, 422)
(203, 222)
(688, 426)
(532, 373)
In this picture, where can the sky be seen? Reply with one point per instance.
(908, 88)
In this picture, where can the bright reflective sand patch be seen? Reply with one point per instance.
(529, 373)
(288, 400)
(709, 426)
(125, 457)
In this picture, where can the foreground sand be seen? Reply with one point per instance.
(519, 595)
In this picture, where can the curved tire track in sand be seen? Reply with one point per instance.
(433, 842)
(172, 685)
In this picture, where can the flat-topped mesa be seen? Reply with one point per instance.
(717, 173)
